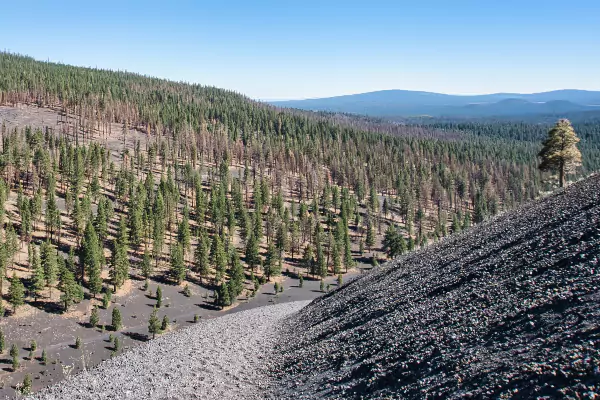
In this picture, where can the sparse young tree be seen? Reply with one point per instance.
(153, 324)
(116, 319)
(94, 317)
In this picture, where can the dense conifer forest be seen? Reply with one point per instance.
(216, 179)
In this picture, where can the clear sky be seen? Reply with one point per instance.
(301, 49)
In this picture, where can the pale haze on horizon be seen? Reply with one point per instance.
(274, 51)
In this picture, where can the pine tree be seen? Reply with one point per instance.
(559, 151)
(14, 353)
(94, 317)
(308, 259)
(26, 386)
(116, 319)
(72, 292)
(252, 253)
(218, 257)
(222, 296)
(147, 268)
(178, 269)
(282, 240)
(370, 239)
(183, 232)
(16, 292)
(165, 324)
(90, 259)
(336, 258)
(201, 257)
(106, 298)
(236, 276)
(158, 297)
(2, 342)
(153, 324)
(38, 280)
(120, 257)
(271, 266)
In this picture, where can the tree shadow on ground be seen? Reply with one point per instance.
(48, 306)
(207, 306)
(140, 337)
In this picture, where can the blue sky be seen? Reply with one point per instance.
(301, 49)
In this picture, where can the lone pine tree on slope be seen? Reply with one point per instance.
(559, 152)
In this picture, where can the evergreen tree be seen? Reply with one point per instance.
(14, 353)
(222, 296)
(120, 258)
(236, 276)
(252, 253)
(116, 319)
(94, 317)
(38, 280)
(72, 292)
(147, 269)
(183, 232)
(308, 259)
(26, 386)
(165, 324)
(153, 324)
(271, 265)
(559, 151)
(16, 292)
(90, 259)
(370, 239)
(178, 269)
(158, 297)
(2, 342)
(201, 257)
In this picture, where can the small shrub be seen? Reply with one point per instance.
(196, 318)
(322, 286)
(340, 280)
(300, 281)
(146, 284)
(26, 387)
(187, 292)
(78, 343)
(276, 287)
(165, 323)
(44, 357)
(116, 344)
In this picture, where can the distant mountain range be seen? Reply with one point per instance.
(403, 103)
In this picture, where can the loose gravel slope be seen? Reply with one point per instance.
(510, 308)
(221, 358)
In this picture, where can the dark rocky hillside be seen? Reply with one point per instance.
(509, 309)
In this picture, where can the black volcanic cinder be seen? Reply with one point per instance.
(510, 308)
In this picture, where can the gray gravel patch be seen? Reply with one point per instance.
(220, 358)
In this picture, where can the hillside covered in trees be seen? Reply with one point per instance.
(198, 187)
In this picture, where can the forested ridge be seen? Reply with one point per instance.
(420, 186)
(200, 187)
